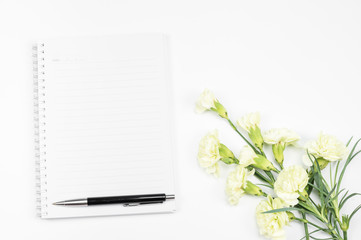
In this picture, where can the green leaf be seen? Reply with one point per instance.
(285, 210)
(264, 185)
(357, 153)
(310, 157)
(350, 157)
(336, 196)
(311, 180)
(315, 231)
(261, 177)
(321, 191)
(323, 238)
(329, 194)
(310, 209)
(343, 200)
(354, 212)
(349, 141)
(327, 200)
(319, 183)
(345, 195)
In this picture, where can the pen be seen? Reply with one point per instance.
(127, 200)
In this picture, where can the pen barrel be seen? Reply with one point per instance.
(145, 198)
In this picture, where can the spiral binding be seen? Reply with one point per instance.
(40, 130)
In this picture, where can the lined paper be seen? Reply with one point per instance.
(108, 122)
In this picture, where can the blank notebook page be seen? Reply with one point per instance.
(104, 123)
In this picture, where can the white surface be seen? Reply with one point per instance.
(298, 63)
(105, 122)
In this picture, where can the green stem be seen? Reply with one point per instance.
(313, 224)
(245, 139)
(307, 235)
(344, 235)
(311, 201)
(318, 215)
(336, 171)
(327, 230)
(331, 176)
(331, 229)
(270, 175)
(262, 177)
(262, 153)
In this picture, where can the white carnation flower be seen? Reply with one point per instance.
(327, 147)
(249, 121)
(280, 135)
(290, 182)
(205, 101)
(271, 224)
(208, 153)
(236, 184)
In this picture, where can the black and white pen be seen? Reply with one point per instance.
(127, 200)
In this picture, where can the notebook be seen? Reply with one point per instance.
(103, 122)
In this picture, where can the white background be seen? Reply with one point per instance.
(296, 62)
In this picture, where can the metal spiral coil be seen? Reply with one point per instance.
(40, 129)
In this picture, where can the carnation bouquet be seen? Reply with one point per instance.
(292, 193)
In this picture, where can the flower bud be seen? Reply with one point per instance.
(218, 108)
(252, 189)
(225, 152)
(303, 195)
(263, 163)
(345, 223)
(250, 123)
(227, 155)
(278, 149)
(256, 137)
(322, 163)
(291, 216)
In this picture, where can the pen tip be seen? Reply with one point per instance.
(171, 196)
(58, 203)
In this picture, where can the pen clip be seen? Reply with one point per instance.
(137, 204)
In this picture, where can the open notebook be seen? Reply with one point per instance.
(103, 122)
